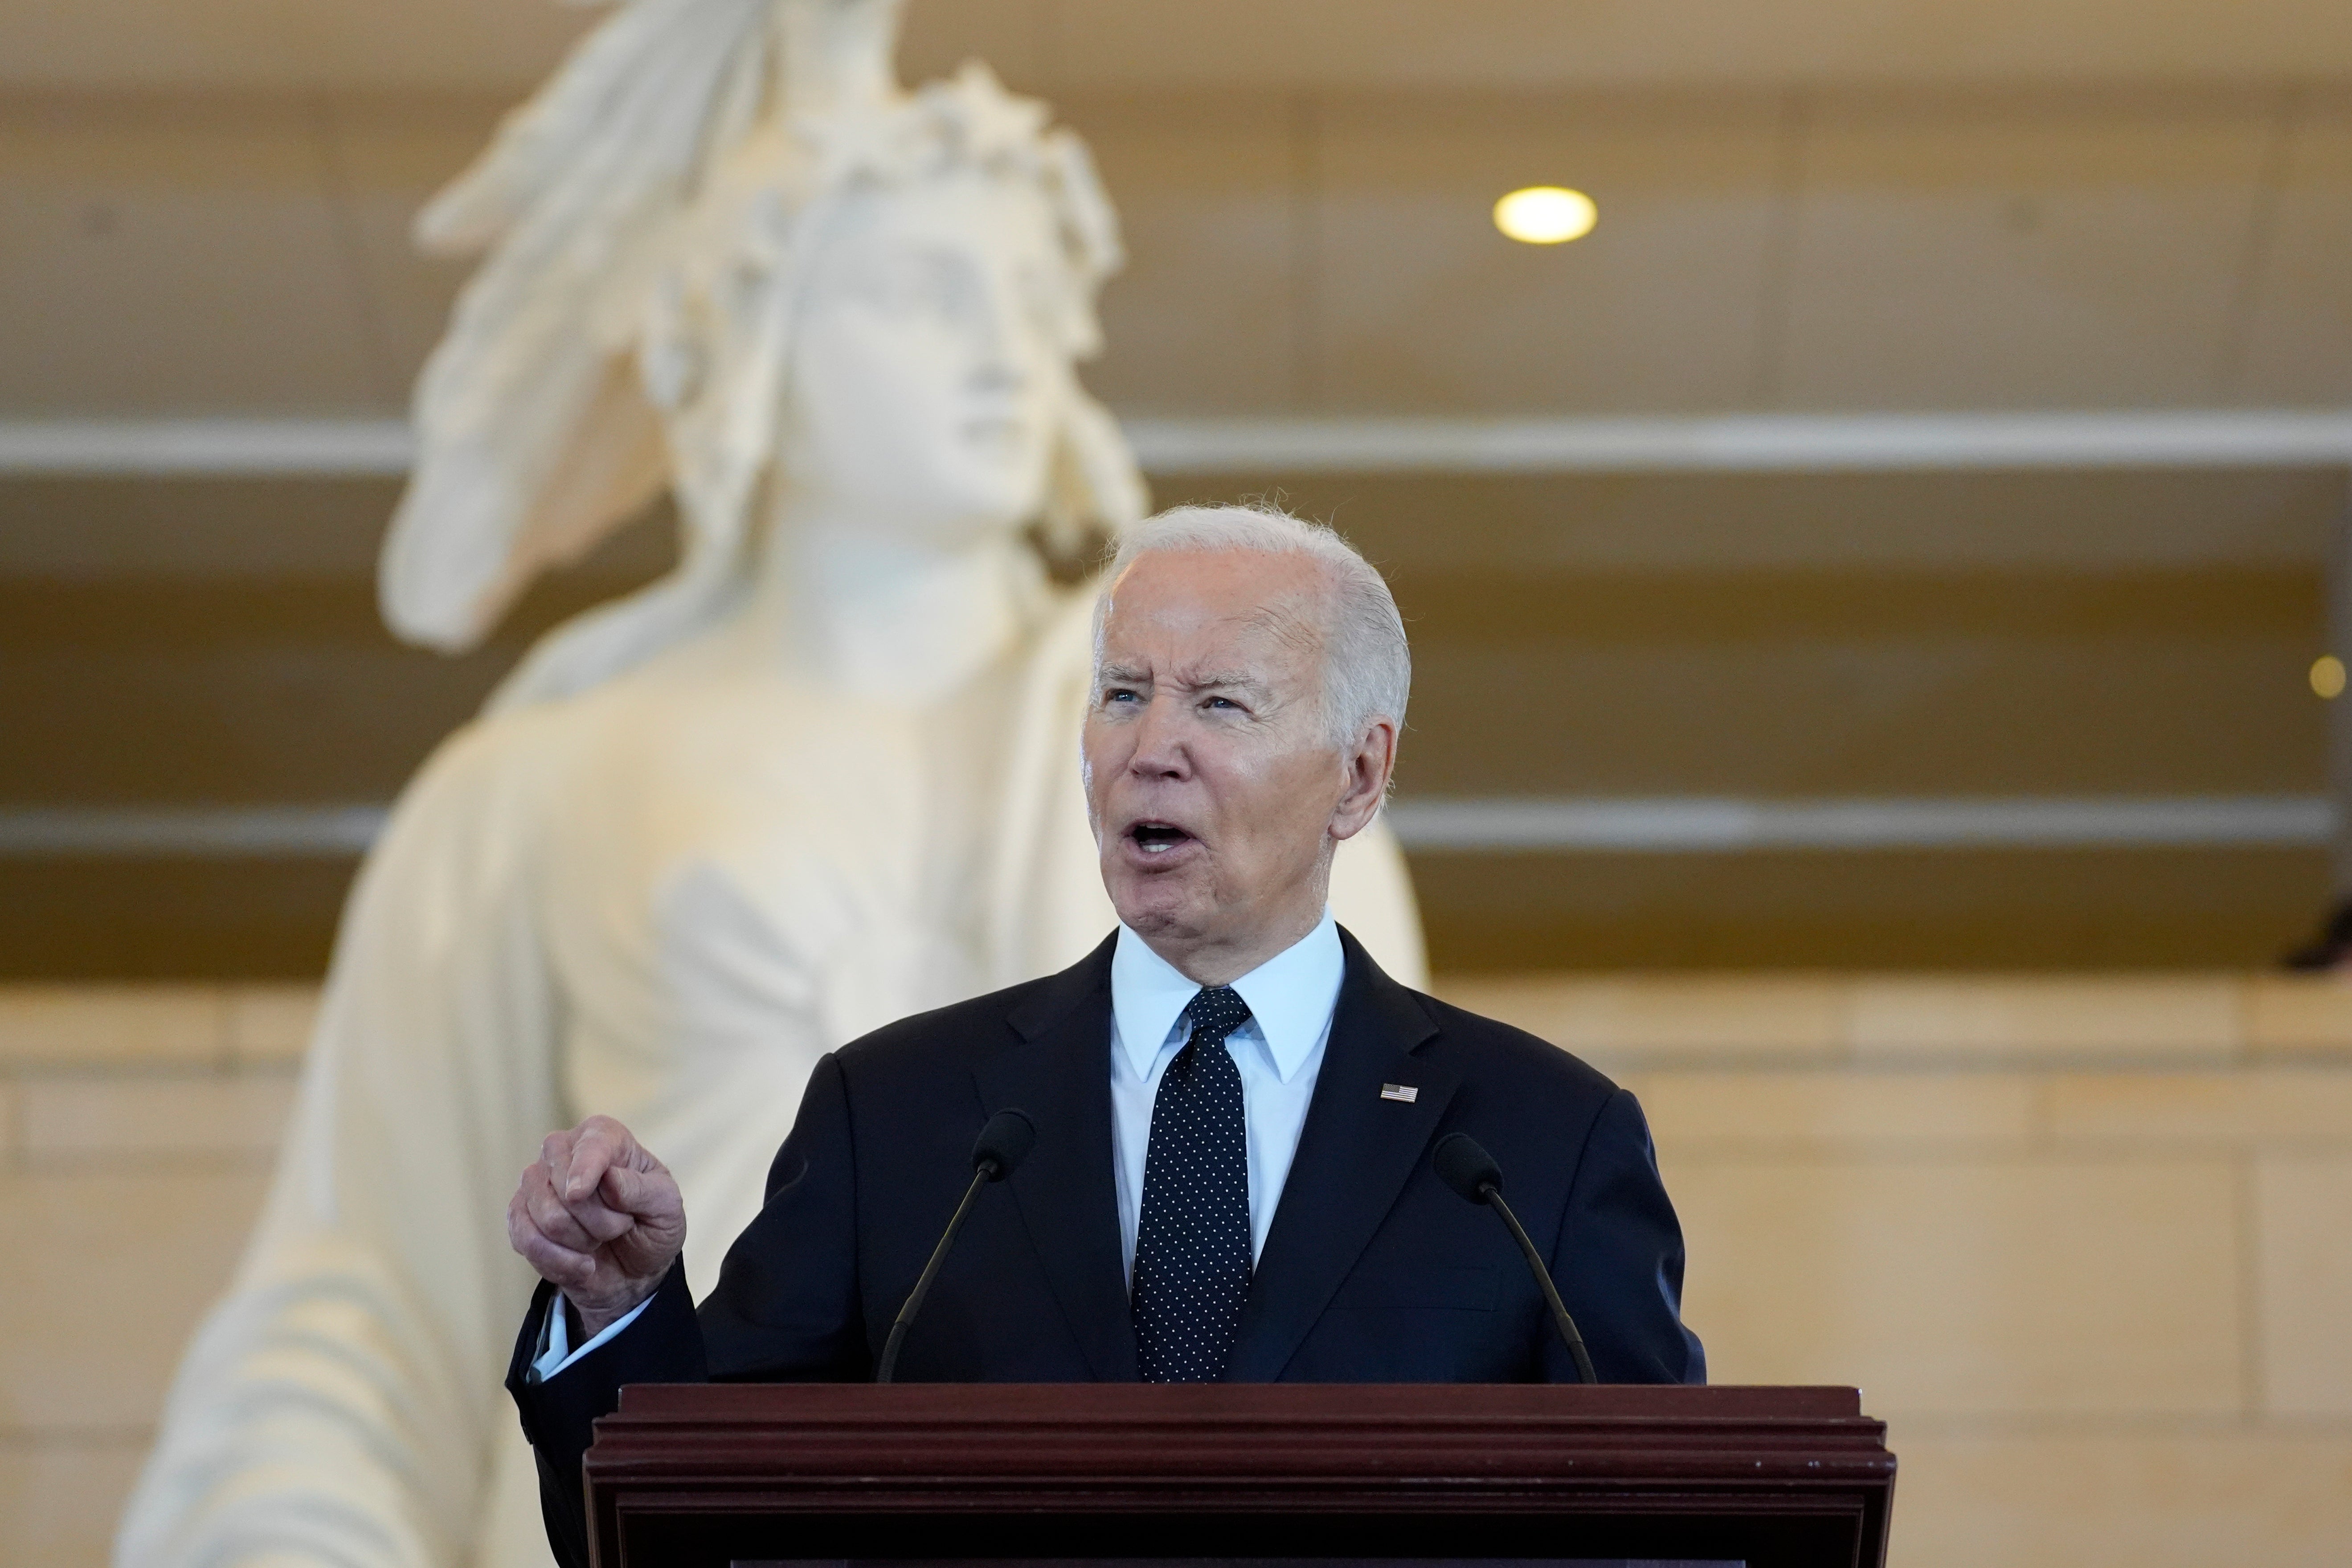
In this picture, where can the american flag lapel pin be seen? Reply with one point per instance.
(1403, 1092)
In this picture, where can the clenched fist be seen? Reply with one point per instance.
(600, 1217)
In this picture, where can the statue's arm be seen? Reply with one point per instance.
(337, 1405)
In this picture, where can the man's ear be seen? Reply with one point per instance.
(1367, 766)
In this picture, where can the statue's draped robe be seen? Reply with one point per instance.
(662, 899)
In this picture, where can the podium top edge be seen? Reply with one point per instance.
(1181, 1404)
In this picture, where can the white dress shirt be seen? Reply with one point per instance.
(1279, 1051)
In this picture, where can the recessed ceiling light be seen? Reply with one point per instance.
(1546, 215)
(2327, 675)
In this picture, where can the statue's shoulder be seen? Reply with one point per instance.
(504, 749)
(963, 1032)
(1056, 663)
(618, 727)
(490, 780)
(1066, 634)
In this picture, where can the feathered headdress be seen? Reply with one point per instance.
(568, 391)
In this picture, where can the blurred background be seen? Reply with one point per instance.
(1870, 598)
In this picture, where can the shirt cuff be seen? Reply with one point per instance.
(555, 1337)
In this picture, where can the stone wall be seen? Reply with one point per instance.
(137, 1129)
(2086, 1244)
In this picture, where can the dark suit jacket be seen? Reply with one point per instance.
(1374, 1271)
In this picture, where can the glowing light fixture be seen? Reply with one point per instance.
(1546, 215)
(2327, 675)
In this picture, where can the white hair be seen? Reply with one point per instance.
(1367, 663)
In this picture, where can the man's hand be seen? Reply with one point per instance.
(600, 1217)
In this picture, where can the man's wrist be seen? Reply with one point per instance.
(594, 1320)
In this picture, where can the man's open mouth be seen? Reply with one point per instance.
(1157, 838)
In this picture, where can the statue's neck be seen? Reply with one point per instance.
(851, 604)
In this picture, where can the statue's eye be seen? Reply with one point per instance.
(913, 284)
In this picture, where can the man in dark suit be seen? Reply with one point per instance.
(1234, 1108)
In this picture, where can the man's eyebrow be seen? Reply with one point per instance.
(1208, 680)
(1200, 681)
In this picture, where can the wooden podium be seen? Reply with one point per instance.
(1399, 1476)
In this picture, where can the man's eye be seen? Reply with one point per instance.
(1119, 694)
(1225, 702)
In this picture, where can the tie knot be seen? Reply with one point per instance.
(1216, 1012)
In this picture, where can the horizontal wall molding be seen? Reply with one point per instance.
(1499, 826)
(1749, 443)
(1686, 824)
(203, 448)
(1739, 443)
(259, 832)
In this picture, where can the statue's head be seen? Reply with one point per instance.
(931, 367)
(907, 284)
(727, 253)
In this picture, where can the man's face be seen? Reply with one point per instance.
(1210, 780)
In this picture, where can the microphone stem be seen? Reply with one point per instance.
(1560, 1318)
(980, 1178)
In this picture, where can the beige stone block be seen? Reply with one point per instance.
(2299, 1013)
(1010, 35)
(112, 1025)
(1206, 315)
(2194, 1499)
(1413, 44)
(2254, 1106)
(2122, 1018)
(389, 156)
(156, 1116)
(273, 51)
(108, 1274)
(270, 1024)
(2078, 253)
(178, 258)
(2298, 347)
(1969, 1286)
(1635, 1017)
(1418, 304)
(2303, 1247)
(1815, 1110)
(60, 1500)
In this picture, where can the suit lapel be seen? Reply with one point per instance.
(1355, 1153)
(1060, 1075)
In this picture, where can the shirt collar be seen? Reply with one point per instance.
(1291, 996)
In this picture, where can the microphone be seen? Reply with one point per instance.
(1001, 1147)
(1463, 1164)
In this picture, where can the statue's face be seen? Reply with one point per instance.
(930, 368)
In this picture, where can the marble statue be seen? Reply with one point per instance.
(823, 775)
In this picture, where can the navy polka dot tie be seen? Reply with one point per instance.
(1193, 1247)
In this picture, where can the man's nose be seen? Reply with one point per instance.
(1159, 740)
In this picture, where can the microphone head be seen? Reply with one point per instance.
(1465, 1166)
(1003, 1143)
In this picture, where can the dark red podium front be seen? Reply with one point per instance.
(1398, 1476)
